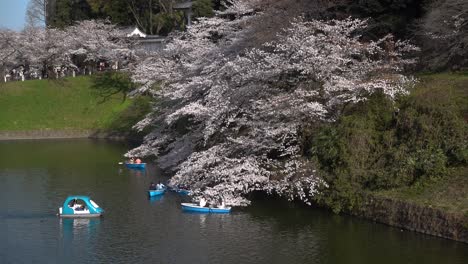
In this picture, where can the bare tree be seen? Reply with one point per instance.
(443, 34)
(36, 13)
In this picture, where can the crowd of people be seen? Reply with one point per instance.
(23, 73)
(218, 203)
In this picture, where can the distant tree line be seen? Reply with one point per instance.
(152, 16)
(438, 27)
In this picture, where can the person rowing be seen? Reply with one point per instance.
(160, 185)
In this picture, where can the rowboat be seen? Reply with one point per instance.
(80, 206)
(156, 192)
(138, 166)
(192, 207)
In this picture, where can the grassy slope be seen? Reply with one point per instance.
(449, 193)
(63, 104)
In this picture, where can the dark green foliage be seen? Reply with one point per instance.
(81, 11)
(107, 84)
(164, 23)
(65, 12)
(62, 17)
(375, 146)
(151, 16)
(117, 11)
(203, 8)
(385, 16)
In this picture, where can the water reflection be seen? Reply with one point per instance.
(79, 226)
(155, 199)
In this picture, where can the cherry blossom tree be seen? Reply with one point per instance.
(9, 48)
(229, 121)
(98, 40)
(46, 48)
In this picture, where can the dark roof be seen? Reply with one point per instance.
(183, 5)
(152, 40)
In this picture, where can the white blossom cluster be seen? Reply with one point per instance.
(230, 120)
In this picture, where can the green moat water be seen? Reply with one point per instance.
(36, 177)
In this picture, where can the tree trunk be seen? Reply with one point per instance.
(151, 17)
(2, 73)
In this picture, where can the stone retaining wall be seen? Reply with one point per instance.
(44, 134)
(414, 217)
(63, 134)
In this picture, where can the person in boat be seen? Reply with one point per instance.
(138, 161)
(160, 185)
(221, 203)
(152, 186)
(132, 160)
(78, 206)
(202, 202)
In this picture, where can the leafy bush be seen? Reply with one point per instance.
(378, 144)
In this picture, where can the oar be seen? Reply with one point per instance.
(120, 163)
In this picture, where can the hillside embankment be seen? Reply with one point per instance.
(66, 108)
(401, 163)
(437, 207)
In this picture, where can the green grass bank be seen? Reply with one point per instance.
(70, 104)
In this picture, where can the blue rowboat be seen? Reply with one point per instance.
(156, 192)
(79, 206)
(138, 166)
(191, 207)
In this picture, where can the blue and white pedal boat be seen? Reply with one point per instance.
(156, 192)
(80, 206)
(192, 207)
(138, 166)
